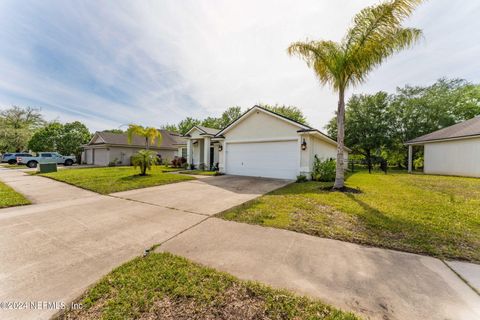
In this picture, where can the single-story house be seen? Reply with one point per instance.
(454, 150)
(107, 147)
(259, 143)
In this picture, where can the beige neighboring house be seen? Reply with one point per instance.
(454, 150)
(107, 147)
(260, 143)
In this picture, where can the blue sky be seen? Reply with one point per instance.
(110, 63)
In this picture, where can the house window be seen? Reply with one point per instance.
(184, 152)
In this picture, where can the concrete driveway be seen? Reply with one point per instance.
(207, 195)
(54, 249)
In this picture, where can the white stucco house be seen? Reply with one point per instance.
(454, 150)
(107, 147)
(259, 143)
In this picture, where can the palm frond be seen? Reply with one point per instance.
(376, 22)
(326, 58)
(134, 130)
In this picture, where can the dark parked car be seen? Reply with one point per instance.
(11, 158)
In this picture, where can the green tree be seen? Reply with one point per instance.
(46, 138)
(376, 34)
(148, 133)
(211, 122)
(420, 110)
(290, 112)
(74, 135)
(66, 139)
(170, 127)
(229, 115)
(187, 124)
(17, 125)
(369, 125)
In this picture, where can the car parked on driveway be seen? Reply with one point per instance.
(11, 158)
(46, 157)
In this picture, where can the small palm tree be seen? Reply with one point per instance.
(376, 34)
(150, 134)
(144, 159)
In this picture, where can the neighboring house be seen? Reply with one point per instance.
(260, 143)
(107, 147)
(454, 150)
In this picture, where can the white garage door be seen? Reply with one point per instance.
(264, 159)
(100, 157)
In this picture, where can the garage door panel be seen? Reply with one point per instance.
(263, 159)
(100, 157)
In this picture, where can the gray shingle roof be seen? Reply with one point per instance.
(170, 139)
(463, 129)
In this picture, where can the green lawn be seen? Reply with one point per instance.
(199, 172)
(164, 286)
(434, 215)
(114, 179)
(10, 198)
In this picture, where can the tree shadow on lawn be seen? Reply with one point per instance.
(382, 229)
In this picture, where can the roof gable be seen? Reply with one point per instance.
(465, 129)
(202, 130)
(265, 111)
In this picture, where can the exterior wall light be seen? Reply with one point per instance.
(220, 148)
(304, 145)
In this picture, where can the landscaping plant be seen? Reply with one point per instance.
(323, 170)
(144, 159)
(376, 34)
(148, 133)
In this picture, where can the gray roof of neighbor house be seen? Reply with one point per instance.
(463, 129)
(169, 139)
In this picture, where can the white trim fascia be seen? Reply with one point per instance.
(195, 127)
(253, 109)
(421, 143)
(95, 136)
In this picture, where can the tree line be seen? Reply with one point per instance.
(24, 128)
(232, 113)
(377, 125)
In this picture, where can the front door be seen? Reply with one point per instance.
(211, 157)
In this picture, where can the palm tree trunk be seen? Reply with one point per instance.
(147, 146)
(340, 173)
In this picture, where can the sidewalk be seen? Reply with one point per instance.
(373, 282)
(41, 190)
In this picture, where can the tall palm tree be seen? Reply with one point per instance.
(376, 34)
(150, 134)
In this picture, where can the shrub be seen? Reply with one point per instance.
(323, 170)
(113, 163)
(144, 159)
(418, 163)
(179, 162)
(301, 178)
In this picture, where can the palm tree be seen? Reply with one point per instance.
(150, 134)
(376, 34)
